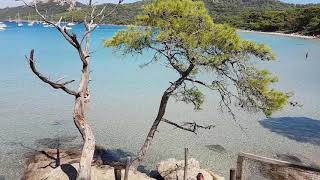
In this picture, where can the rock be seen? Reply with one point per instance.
(173, 169)
(44, 165)
(216, 148)
(103, 172)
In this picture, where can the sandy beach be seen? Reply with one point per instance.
(294, 35)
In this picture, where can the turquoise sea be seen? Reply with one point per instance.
(125, 100)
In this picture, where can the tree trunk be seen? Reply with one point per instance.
(161, 112)
(154, 127)
(82, 124)
(89, 140)
(162, 109)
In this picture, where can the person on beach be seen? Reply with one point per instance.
(200, 176)
(307, 55)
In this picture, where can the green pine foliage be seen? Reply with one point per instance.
(185, 36)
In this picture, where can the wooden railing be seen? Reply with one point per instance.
(237, 174)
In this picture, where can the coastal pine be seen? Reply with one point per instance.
(182, 34)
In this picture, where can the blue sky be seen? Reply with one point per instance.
(5, 3)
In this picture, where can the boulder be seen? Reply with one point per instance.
(173, 169)
(44, 165)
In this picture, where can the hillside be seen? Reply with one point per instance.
(50, 8)
(217, 8)
(261, 15)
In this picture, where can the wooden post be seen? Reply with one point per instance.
(232, 174)
(185, 164)
(117, 173)
(126, 173)
(239, 167)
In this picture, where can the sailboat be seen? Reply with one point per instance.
(45, 24)
(18, 21)
(71, 23)
(2, 26)
(30, 23)
(93, 25)
(67, 28)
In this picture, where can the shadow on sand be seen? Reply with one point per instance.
(111, 156)
(301, 129)
(118, 157)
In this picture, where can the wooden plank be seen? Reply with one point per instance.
(117, 173)
(277, 162)
(239, 167)
(232, 174)
(185, 164)
(126, 173)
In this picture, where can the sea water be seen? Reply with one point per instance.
(125, 99)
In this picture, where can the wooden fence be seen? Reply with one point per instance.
(238, 173)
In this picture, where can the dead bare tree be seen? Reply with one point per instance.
(82, 94)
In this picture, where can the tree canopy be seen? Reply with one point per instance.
(182, 35)
(187, 39)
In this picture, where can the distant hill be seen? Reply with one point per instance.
(48, 8)
(261, 15)
(223, 10)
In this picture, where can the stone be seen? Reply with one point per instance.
(173, 169)
(44, 165)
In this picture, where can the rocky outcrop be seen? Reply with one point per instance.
(46, 165)
(55, 164)
(173, 169)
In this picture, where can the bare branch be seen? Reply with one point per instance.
(55, 85)
(192, 127)
(91, 27)
(202, 83)
(70, 38)
(60, 79)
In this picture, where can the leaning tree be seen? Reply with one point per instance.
(82, 94)
(182, 35)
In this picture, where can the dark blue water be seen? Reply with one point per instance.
(125, 99)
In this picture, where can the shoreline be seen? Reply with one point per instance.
(293, 35)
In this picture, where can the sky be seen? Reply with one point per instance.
(6, 3)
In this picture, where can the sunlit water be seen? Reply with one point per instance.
(125, 99)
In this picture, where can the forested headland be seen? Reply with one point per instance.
(258, 15)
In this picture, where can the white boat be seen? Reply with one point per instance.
(67, 28)
(2, 25)
(71, 23)
(93, 26)
(30, 23)
(18, 21)
(48, 26)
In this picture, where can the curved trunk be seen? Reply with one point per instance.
(161, 112)
(82, 124)
(154, 127)
(88, 137)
